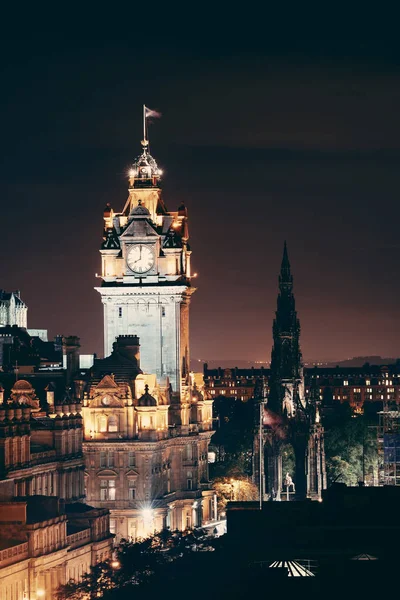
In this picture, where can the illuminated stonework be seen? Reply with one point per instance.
(148, 423)
(148, 473)
(146, 278)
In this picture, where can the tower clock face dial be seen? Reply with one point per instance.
(140, 258)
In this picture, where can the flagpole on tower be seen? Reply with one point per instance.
(144, 123)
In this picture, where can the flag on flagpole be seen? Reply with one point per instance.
(151, 113)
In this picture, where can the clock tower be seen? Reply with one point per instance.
(146, 280)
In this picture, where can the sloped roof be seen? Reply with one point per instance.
(140, 210)
(123, 369)
(140, 227)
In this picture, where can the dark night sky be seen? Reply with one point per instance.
(266, 142)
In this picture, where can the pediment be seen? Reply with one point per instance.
(132, 474)
(106, 383)
(107, 473)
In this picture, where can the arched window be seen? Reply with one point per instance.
(102, 423)
(112, 423)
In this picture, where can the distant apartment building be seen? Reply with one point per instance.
(13, 311)
(353, 385)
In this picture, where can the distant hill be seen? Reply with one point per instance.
(359, 361)
(197, 364)
(356, 361)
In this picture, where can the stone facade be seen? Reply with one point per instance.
(287, 414)
(146, 276)
(13, 311)
(147, 422)
(48, 535)
(138, 464)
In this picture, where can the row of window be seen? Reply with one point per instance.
(108, 488)
(107, 459)
(120, 311)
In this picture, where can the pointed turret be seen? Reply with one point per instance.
(285, 277)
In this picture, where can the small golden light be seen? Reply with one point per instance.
(40, 593)
(115, 564)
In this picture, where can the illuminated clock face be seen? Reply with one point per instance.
(140, 258)
(106, 401)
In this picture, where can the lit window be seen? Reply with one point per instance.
(367, 382)
(189, 480)
(345, 382)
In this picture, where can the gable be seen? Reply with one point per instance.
(139, 228)
(106, 383)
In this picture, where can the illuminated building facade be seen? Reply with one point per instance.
(356, 386)
(13, 311)
(48, 535)
(147, 426)
(146, 277)
(288, 415)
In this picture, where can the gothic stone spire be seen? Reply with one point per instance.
(286, 359)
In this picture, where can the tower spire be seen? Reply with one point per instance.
(285, 277)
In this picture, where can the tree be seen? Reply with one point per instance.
(239, 488)
(235, 434)
(137, 565)
(351, 449)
